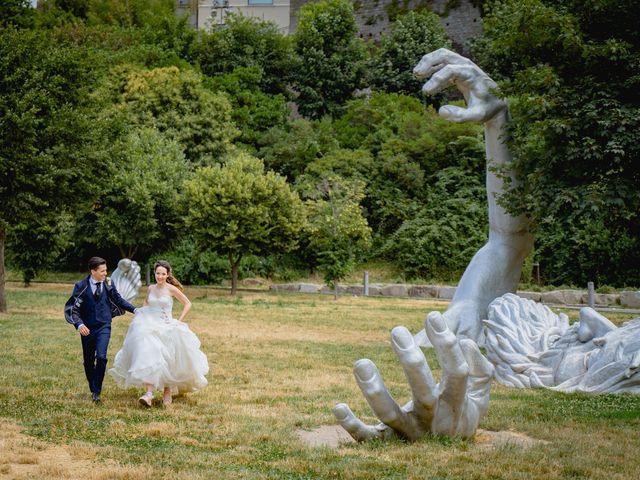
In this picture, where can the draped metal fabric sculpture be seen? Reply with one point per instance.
(126, 278)
(456, 404)
(531, 346)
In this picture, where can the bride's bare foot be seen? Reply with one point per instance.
(166, 397)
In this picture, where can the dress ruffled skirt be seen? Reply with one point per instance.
(160, 351)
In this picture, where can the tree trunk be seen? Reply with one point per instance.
(3, 299)
(335, 291)
(235, 266)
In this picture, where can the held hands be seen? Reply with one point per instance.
(447, 68)
(452, 407)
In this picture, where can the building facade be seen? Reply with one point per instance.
(207, 14)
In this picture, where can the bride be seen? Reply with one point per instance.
(160, 351)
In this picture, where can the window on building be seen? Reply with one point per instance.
(260, 2)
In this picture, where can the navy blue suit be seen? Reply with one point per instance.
(95, 314)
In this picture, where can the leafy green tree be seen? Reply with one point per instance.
(290, 148)
(16, 12)
(137, 211)
(38, 243)
(254, 112)
(127, 13)
(194, 266)
(247, 42)
(238, 209)
(445, 233)
(338, 231)
(346, 163)
(411, 36)
(576, 130)
(48, 149)
(171, 33)
(409, 144)
(331, 57)
(175, 102)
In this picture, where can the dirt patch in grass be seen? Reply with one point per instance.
(325, 436)
(22, 457)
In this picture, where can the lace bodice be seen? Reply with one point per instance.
(161, 302)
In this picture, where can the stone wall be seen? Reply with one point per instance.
(462, 21)
(629, 299)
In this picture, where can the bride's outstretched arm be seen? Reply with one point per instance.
(176, 292)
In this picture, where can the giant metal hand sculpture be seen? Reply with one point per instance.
(126, 278)
(452, 407)
(495, 268)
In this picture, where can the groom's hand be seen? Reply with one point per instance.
(84, 331)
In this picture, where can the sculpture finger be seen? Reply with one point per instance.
(478, 364)
(434, 61)
(359, 430)
(417, 372)
(446, 76)
(455, 371)
(476, 114)
(378, 397)
(481, 372)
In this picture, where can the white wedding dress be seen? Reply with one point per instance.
(161, 351)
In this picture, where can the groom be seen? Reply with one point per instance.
(89, 310)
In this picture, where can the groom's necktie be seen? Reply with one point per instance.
(97, 293)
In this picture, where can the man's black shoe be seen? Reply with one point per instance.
(95, 397)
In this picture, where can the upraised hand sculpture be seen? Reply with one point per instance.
(127, 279)
(495, 269)
(452, 407)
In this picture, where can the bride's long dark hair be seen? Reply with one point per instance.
(170, 278)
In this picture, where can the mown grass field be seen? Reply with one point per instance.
(278, 364)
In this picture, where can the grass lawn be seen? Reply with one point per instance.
(279, 363)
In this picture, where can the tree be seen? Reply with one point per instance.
(331, 57)
(254, 112)
(250, 43)
(238, 209)
(576, 130)
(138, 208)
(16, 12)
(439, 241)
(409, 144)
(176, 103)
(412, 36)
(289, 149)
(338, 231)
(48, 154)
(128, 13)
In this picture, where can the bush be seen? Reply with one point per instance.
(193, 267)
(440, 241)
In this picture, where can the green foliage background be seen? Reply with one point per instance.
(109, 108)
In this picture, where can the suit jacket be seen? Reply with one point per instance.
(83, 308)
